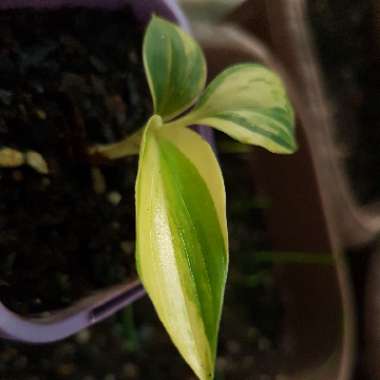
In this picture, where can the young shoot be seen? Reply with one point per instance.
(181, 226)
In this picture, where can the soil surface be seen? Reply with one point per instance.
(134, 345)
(75, 239)
(68, 80)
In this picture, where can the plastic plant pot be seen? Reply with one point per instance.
(102, 304)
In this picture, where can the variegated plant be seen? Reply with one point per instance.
(182, 240)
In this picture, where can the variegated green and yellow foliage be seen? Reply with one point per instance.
(182, 260)
(258, 112)
(172, 57)
(182, 240)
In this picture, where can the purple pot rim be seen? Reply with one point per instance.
(142, 8)
(104, 303)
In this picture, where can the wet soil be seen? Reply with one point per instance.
(69, 79)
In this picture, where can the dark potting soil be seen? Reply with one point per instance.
(69, 79)
(345, 36)
(118, 348)
(134, 345)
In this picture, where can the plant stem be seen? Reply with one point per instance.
(129, 330)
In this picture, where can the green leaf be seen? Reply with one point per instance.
(175, 68)
(249, 103)
(182, 253)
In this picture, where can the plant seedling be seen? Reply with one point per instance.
(181, 226)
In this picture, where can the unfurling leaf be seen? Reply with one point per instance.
(249, 103)
(128, 147)
(182, 253)
(175, 68)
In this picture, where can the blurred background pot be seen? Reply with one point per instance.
(318, 325)
(295, 35)
(285, 27)
(312, 208)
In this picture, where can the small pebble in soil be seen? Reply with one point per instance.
(45, 182)
(37, 162)
(37, 301)
(114, 197)
(41, 114)
(116, 225)
(253, 333)
(11, 158)
(133, 57)
(83, 337)
(98, 180)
